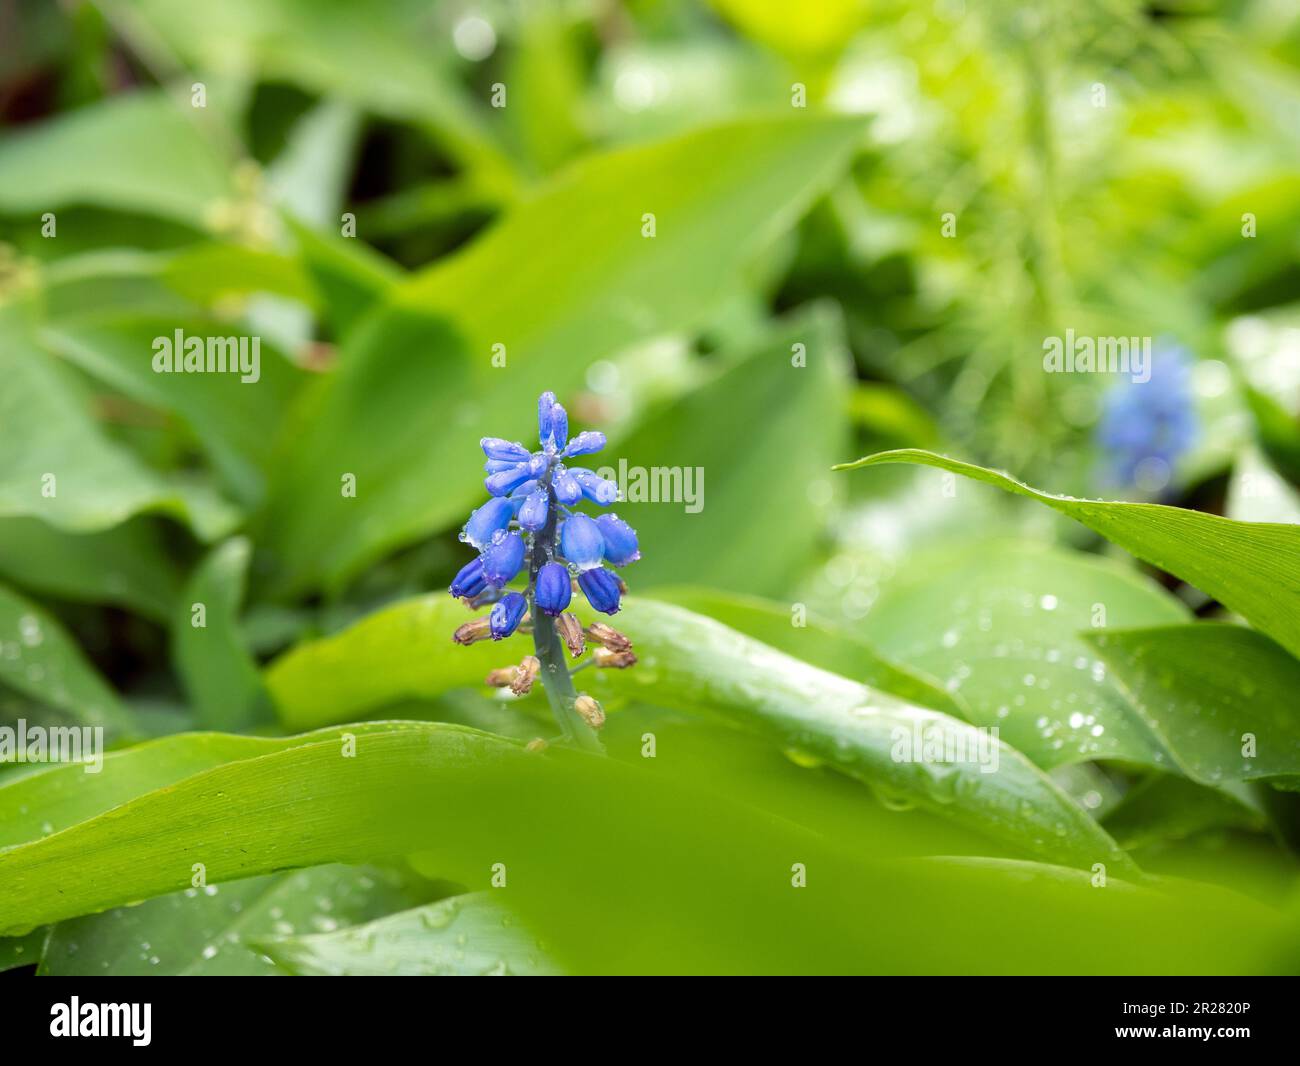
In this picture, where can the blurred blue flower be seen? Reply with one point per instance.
(1146, 427)
(527, 524)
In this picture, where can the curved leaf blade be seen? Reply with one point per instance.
(687, 659)
(220, 674)
(463, 936)
(210, 931)
(1252, 568)
(999, 624)
(39, 658)
(1223, 697)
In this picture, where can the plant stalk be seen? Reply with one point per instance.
(547, 645)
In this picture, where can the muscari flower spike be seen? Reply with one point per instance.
(529, 526)
(1147, 427)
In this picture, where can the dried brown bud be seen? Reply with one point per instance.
(608, 636)
(570, 630)
(472, 632)
(502, 677)
(614, 660)
(592, 713)
(525, 675)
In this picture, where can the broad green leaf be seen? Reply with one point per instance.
(462, 936)
(1252, 568)
(61, 468)
(175, 283)
(26, 950)
(140, 151)
(568, 272)
(1221, 697)
(38, 657)
(212, 273)
(789, 629)
(333, 679)
(209, 931)
(127, 565)
(686, 659)
(474, 802)
(350, 276)
(387, 56)
(110, 279)
(1000, 623)
(219, 673)
(1167, 807)
(546, 73)
(823, 717)
(309, 177)
(250, 817)
(58, 797)
(743, 498)
(233, 418)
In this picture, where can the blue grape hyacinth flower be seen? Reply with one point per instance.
(1147, 427)
(530, 526)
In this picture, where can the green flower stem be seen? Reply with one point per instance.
(549, 648)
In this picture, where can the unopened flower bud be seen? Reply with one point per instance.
(472, 631)
(592, 713)
(486, 598)
(608, 637)
(614, 660)
(525, 675)
(570, 630)
(502, 677)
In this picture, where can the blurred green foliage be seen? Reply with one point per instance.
(749, 240)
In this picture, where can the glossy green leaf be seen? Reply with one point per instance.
(126, 565)
(791, 630)
(320, 682)
(349, 276)
(463, 936)
(211, 274)
(210, 931)
(858, 730)
(233, 418)
(741, 498)
(417, 385)
(26, 950)
(38, 657)
(220, 674)
(302, 805)
(1251, 567)
(1222, 698)
(142, 151)
(62, 469)
(387, 56)
(1168, 807)
(687, 659)
(999, 624)
(58, 797)
(635, 837)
